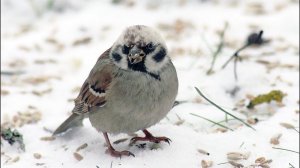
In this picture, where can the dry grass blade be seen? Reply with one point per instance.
(291, 166)
(285, 149)
(219, 49)
(231, 119)
(212, 121)
(220, 108)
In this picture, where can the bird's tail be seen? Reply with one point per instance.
(75, 120)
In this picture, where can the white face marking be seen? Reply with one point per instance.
(154, 66)
(141, 35)
(123, 61)
(96, 93)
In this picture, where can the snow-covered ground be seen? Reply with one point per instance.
(50, 49)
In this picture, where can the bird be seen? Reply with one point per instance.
(132, 86)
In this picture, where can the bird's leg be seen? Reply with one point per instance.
(149, 137)
(110, 150)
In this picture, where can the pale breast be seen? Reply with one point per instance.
(136, 101)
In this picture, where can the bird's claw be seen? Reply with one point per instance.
(150, 139)
(119, 154)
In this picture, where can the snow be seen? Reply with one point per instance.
(31, 32)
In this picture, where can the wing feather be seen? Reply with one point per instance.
(94, 89)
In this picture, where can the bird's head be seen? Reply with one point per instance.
(140, 48)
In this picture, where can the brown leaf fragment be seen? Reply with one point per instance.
(47, 138)
(37, 155)
(275, 139)
(81, 147)
(235, 164)
(206, 163)
(77, 156)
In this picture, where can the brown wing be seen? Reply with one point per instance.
(94, 88)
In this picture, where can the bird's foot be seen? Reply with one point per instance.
(150, 139)
(119, 154)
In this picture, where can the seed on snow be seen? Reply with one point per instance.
(237, 156)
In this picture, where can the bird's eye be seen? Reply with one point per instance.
(126, 49)
(149, 46)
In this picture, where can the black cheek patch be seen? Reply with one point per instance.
(117, 57)
(160, 55)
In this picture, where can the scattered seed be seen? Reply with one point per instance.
(264, 166)
(16, 159)
(260, 160)
(235, 164)
(120, 140)
(4, 92)
(27, 117)
(37, 155)
(47, 130)
(267, 161)
(40, 164)
(42, 92)
(206, 163)
(222, 130)
(203, 152)
(252, 121)
(77, 156)
(49, 138)
(275, 139)
(179, 122)
(51, 40)
(81, 41)
(237, 156)
(287, 125)
(40, 61)
(81, 147)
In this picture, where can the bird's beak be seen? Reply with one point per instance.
(136, 55)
